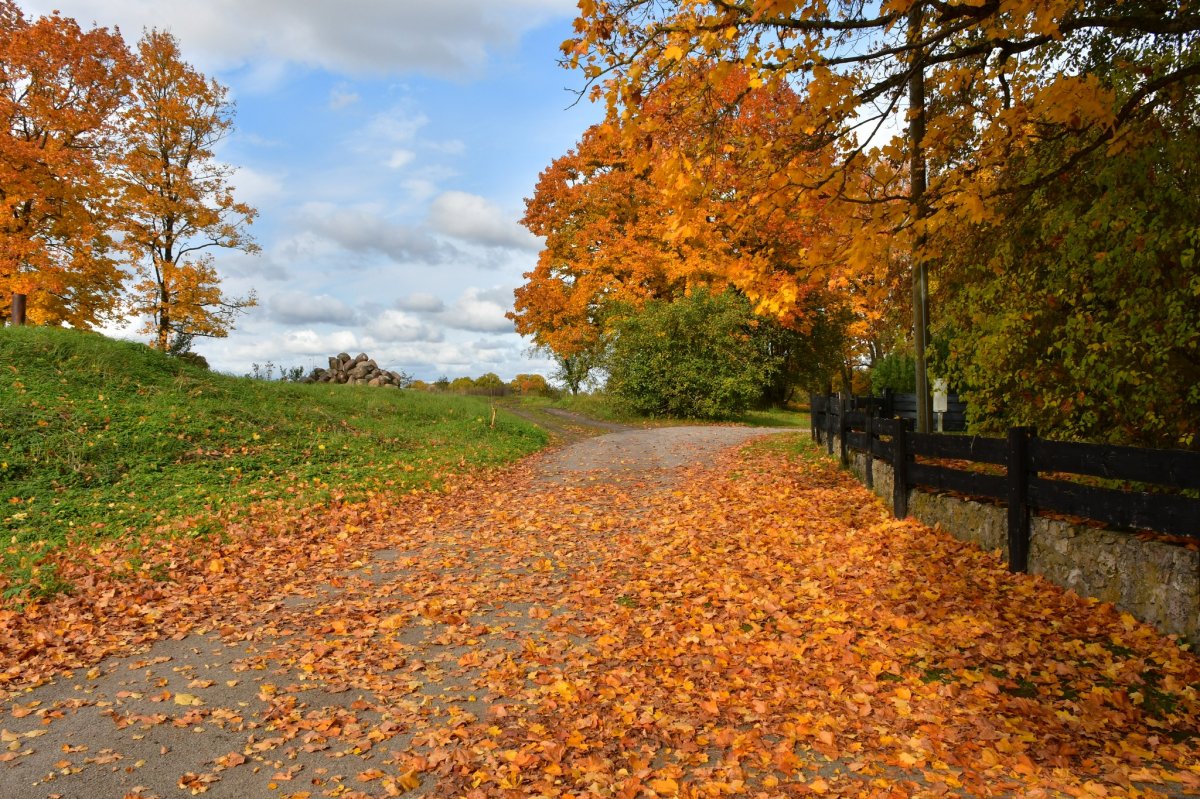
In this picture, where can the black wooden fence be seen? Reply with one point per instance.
(892, 405)
(1025, 457)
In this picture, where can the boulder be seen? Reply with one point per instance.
(342, 356)
(360, 358)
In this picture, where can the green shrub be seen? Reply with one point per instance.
(897, 372)
(699, 356)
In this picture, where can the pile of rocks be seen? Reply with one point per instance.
(357, 371)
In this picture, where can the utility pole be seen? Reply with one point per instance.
(919, 210)
(18, 310)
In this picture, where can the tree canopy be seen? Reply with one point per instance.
(110, 193)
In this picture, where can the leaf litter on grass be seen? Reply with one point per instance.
(771, 634)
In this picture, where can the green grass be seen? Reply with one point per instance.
(775, 417)
(796, 446)
(101, 438)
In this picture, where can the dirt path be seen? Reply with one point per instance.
(202, 713)
(646, 613)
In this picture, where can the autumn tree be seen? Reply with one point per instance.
(60, 90)
(917, 105)
(176, 202)
(612, 244)
(606, 244)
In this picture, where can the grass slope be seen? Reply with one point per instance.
(102, 438)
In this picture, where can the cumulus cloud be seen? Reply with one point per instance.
(421, 302)
(430, 359)
(255, 187)
(478, 220)
(479, 310)
(391, 326)
(352, 36)
(364, 232)
(295, 307)
(293, 343)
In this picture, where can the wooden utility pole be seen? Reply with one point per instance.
(919, 210)
(18, 309)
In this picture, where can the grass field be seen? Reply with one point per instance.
(102, 438)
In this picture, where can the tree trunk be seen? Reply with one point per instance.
(164, 306)
(919, 209)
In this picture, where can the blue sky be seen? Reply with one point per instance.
(388, 146)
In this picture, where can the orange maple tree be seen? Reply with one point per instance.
(61, 88)
(616, 236)
(176, 202)
(918, 107)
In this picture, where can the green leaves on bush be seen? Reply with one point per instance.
(895, 371)
(1078, 310)
(701, 356)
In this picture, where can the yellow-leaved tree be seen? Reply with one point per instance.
(929, 116)
(176, 200)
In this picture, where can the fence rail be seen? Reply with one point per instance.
(859, 423)
(892, 405)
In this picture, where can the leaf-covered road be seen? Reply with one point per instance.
(753, 624)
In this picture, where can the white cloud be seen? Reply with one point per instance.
(478, 220)
(341, 96)
(395, 126)
(265, 265)
(391, 326)
(295, 307)
(421, 302)
(294, 343)
(256, 188)
(479, 310)
(450, 146)
(352, 36)
(453, 358)
(365, 232)
(400, 158)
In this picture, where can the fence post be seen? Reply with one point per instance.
(870, 448)
(1018, 498)
(899, 470)
(844, 428)
(829, 424)
(889, 407)
(812, 417)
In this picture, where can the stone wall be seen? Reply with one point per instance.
(1155, 582)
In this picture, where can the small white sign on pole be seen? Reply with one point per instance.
(941, 400)
(941, 397)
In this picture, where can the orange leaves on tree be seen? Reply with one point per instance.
(628, 219)
(60, 90)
